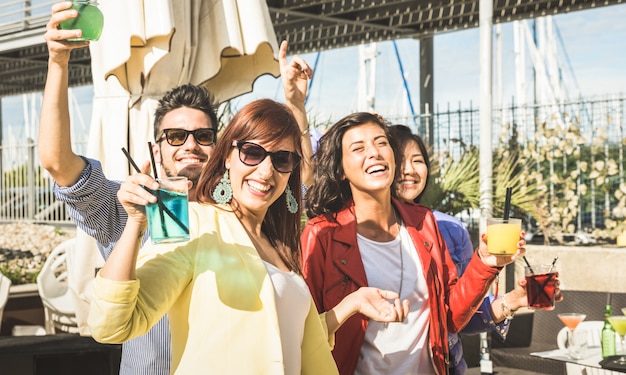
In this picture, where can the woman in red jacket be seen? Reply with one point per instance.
(361, 235)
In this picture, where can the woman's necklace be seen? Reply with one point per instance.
(401, 256)
(401, 252)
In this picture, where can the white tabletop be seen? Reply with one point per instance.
(592, 358)
(576, 366)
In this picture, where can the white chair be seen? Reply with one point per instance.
(59, 310)
(5, 284)
(594, 333)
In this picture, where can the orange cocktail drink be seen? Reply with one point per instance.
(503, 235)
(572, 320)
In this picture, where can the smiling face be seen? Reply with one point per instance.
(189, 158)
(413, 172)
(256, 188)
(368, 159)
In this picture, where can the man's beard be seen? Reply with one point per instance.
(192, 174)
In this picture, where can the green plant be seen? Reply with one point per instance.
(18, 274)
(453, 185)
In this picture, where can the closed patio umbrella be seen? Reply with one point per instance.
(151, 46)
(148, 47)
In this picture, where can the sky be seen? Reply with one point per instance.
(594, 41)
(593, 45)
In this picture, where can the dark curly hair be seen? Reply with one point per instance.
(330, 191)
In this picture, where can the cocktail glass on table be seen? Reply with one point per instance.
(575, 343)
(619, 325)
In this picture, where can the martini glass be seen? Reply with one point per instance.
(571, 321)
(619, 325)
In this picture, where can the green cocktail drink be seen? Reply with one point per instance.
(89, 20)
(619, 325)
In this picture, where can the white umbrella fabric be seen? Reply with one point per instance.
(155, 45)
(148, 47)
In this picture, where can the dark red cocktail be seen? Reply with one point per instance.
(540, 286)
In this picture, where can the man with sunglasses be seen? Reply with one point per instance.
(185, 129)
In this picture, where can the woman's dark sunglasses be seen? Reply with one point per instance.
(178, 137)
(252, 154)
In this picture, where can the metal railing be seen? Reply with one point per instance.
(600, 123)
(26, 190)
(20, 15)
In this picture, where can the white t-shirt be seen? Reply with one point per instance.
(396, 348)
(293, 300)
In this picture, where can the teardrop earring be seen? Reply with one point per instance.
(223, 192)
(292, 204)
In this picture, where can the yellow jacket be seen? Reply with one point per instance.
(219, 300)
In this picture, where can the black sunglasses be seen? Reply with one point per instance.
(252, 154)
(178, 137)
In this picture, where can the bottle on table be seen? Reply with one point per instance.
(608, 334)
(486, 365)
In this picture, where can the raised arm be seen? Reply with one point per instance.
(295, 76)
(121, 264)
(54, 145)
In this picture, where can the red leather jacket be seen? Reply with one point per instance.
(332, 268)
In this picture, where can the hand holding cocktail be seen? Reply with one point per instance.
(504, 240)
(87, 18)
(163, 201)
(541, 284)
(60, 42)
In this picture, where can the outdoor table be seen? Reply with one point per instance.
(502, 371)
(57, 354)
(581, 366)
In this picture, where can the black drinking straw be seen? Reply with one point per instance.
(161, 205)
(507, 204)
(154, 168)
(158, 192)
(130, 160)
(528, 264)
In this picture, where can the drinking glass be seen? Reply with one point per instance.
(576, 341)
(168, 219)
(89, 19)
(540, 286)
(503, 235)
(619, 325)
